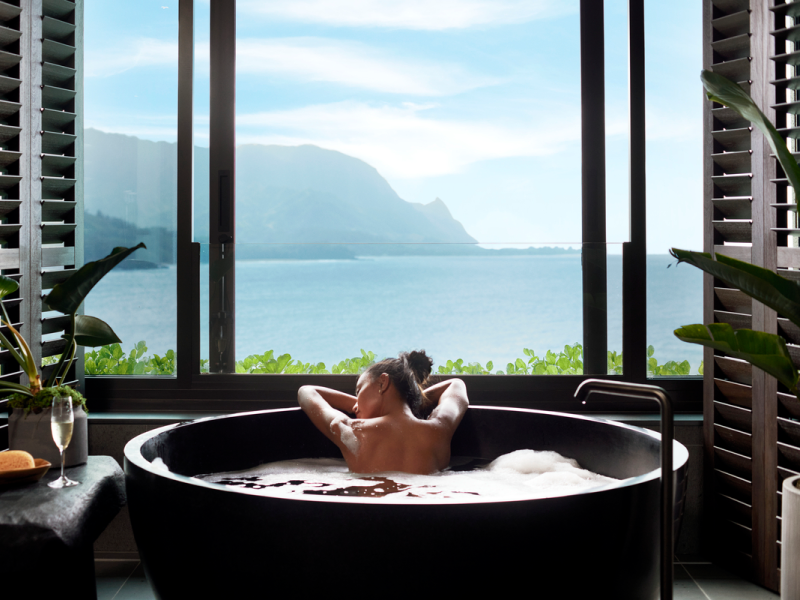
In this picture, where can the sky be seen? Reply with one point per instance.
(476, 102)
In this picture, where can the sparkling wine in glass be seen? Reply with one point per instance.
(62, 420)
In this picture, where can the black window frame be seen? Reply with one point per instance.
(191, 391)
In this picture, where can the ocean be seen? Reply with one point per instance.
(477, 308)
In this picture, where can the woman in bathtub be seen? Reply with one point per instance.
(397, 425)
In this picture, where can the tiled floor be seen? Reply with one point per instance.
(125, 580)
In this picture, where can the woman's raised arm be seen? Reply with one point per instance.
(327, 409)
(452, 402)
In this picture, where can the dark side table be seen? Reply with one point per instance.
(46, 535)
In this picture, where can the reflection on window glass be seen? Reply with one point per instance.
(130, 186)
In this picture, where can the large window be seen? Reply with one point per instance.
(368, 178)
(130, 179)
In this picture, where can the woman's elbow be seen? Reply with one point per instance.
(304, 395)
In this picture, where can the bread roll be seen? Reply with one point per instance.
(15, 459)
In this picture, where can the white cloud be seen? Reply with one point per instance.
(402, 141)
(140, 52)
(351, 64)
(409, 14)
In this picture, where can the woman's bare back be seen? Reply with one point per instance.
(393, 439)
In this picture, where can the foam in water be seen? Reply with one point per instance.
(517, 475)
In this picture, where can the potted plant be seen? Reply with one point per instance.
(766, 351)
(29, 405)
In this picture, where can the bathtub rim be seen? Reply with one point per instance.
(132, 453)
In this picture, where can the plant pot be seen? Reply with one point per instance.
(790, 539)
(32, 433)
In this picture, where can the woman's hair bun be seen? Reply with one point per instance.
(420, 364)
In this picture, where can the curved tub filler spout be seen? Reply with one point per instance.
(639, 391)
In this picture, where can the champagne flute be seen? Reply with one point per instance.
(62, 420)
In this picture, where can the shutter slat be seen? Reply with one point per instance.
(57, 184)
(57, 210)
(736, 394)
(58, 53)
(736, 70)
(734, 231)
(57, 98)
(734, 208)
(8, 157)
(59, 9)
(8, 60)
(734, 300)
(6, 206)
(9, 258)
(733, 185)
(8, 36)
(58, 143)
(58, 30)
(8, 84)
(9, 108)
(52, 233)
(733, 24)
(9, 11)
(58, 75)
(733, 47)
(58, 120)
(58, 257)
(733, 139)
(8, 181)
(51, 278)
(736, 370)
(733, 162)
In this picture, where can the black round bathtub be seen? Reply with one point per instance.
(204, 540)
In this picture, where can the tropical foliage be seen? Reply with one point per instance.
(65, 297)
(763, 350)
(111, 360)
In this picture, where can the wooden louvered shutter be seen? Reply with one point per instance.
(14, 197)
(56, 102)
(785, 80)
(751, 429)
(41, 135)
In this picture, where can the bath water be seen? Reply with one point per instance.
(522, 474)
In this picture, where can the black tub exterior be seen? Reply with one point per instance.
(200, 540)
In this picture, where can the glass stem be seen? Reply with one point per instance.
(61, 450)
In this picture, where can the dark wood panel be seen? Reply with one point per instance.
(58, 257)
(733, 486)
(789, 456)
(733, 416)
(789, 431)
(733, 439)
(737, 394)
(738, 252)
(731, 509)
(734, 369)
(733, 463)
(789, 405)
(789, 331)
(733, 300)
(735, 320)
(788, 257)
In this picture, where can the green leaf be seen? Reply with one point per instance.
(91, 331)
(66, 297)
(7, 286)
(650, 351)
(723, 90)
(489, 366)
(765, 286)
(766, 351)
